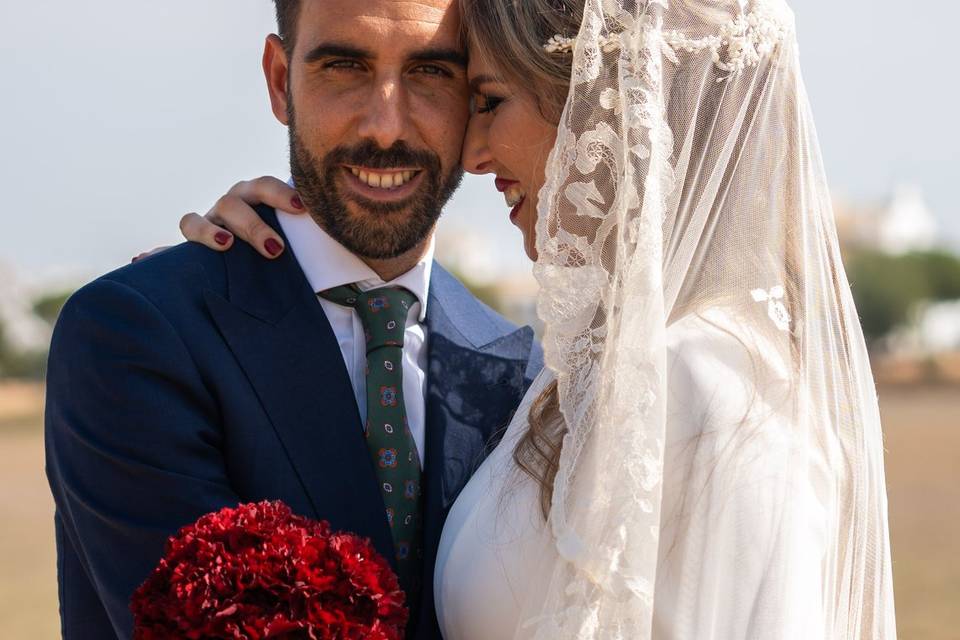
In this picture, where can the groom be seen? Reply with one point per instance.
(349, 372)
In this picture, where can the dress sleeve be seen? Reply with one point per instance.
(742, 531)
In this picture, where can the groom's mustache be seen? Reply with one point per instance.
(398, 156)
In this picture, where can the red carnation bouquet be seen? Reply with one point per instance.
(259, 571)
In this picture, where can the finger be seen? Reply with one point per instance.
(198, 229)
(147, 254)
(269, 191)
(240, 219)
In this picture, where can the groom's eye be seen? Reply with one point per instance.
(433, 70)
(343, 65)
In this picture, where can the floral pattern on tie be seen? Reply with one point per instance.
(383, 313)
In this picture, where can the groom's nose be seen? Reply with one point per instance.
(385, 117)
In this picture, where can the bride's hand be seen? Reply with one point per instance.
(233, 215)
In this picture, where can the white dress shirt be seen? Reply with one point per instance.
(327, 264)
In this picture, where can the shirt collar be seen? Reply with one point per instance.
(326, 263)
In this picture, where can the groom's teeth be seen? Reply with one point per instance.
(513, 195)
(383, 180)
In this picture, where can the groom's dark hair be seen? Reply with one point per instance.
(287, 13)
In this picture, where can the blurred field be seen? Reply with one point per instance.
(922, 428)
(28, 575)
(923, 475)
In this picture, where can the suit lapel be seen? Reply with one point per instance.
(278, 332)
(474, 382)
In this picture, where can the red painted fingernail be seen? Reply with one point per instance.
(296, 202)
(273, 247)
(222, 238)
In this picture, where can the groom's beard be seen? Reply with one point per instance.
(380, 230)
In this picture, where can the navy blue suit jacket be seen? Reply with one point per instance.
(195, 380)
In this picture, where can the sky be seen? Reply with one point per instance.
(119, 116)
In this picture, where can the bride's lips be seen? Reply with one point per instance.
(516, 210)
(380, 194)
(503, 185)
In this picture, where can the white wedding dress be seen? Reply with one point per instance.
(728, 576)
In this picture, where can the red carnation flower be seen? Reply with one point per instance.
(259, 571)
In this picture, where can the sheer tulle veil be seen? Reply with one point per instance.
(687, 181)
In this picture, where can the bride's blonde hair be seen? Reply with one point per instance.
(510, 35)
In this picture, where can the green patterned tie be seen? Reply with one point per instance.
(383, 313)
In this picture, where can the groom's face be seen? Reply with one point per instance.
(376, 100)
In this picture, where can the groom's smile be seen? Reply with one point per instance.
(376, 100)
(394, 185)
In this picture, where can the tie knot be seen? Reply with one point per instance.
(383, 311)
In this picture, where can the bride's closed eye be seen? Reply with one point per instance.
(483, 103)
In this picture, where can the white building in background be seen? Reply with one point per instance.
(903, 224)
(939, 327)
(907, 223)
(935, 329)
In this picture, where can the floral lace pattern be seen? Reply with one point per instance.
(739, 44)
(776, 309)
(591, 216)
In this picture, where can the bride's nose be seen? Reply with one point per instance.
(476, 158)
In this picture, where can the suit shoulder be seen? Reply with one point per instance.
(168, 278)
(445, 283)
(186, 264)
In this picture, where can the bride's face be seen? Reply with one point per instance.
(510, 138)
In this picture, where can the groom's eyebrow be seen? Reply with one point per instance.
(452, 56)
(338, 50)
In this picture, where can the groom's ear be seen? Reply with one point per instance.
(276, 68)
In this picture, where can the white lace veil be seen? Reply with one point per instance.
(687, 181)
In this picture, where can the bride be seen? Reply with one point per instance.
(702, 456)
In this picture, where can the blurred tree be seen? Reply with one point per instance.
(30, 363)
(889, 288)
(5, 348)
(885, 289)
(942, 271)
(19, 364)
(49, 306)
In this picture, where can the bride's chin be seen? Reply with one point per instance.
(530, 245)
(530, 230)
